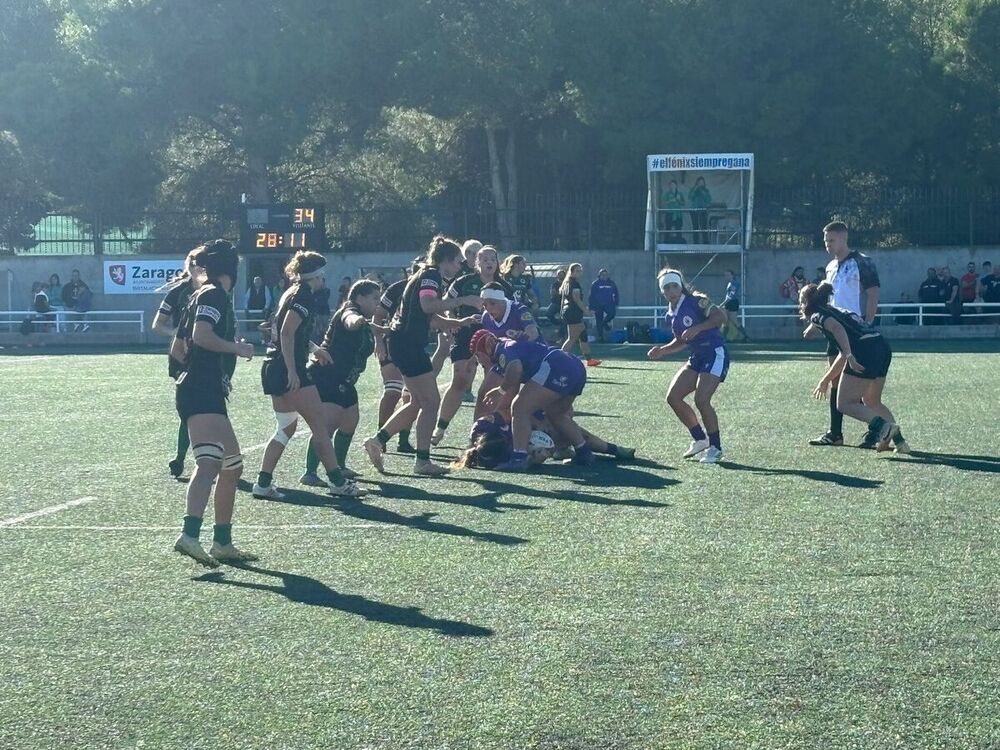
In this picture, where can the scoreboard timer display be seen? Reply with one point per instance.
(282, 227)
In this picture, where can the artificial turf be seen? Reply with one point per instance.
(790, 597)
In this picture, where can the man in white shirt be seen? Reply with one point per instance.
(856, 288)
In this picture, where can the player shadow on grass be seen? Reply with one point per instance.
(617, 476)
(365, 511)
(844, 480)
(962, 462)
(305, 590)
(488, 501)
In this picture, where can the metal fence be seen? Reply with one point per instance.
(878, 217)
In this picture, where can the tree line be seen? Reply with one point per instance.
(119, 108)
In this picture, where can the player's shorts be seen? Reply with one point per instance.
(873, 354)
(561, 373)
(460, 351)
(572, 315)
(408, 355)
(274, 376)
(710, 362)
(338, 392)
(732, 305)
(198, 398)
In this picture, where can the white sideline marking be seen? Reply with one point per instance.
(240, 527)
(46, 511)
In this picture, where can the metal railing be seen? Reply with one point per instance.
(68, 321)
(911, 313)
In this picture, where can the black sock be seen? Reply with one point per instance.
(264, 479)
(836, 417)
(383, 437)
(223, 533)
(611, 450)
(192, 526)
(423, 455)
(404, 437)
(183, 441)
(443, 424)
(898, 438)
(715, 440)
(696, 432)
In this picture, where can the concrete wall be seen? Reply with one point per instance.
(633, 270)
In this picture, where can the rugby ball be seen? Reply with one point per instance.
(540, 440)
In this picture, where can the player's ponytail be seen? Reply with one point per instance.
(191, 264)
(566, 285)
(813, 297)
(488, 450)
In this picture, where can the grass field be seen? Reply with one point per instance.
(790, 597)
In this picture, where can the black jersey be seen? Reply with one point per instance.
(349, 350)
(209, 304)
(176, 301)
(297, 298)
(410, 317)
(854, 325)
(469, 286)
(389, 301)
(568, 301)
(521, 286)
(991, 288)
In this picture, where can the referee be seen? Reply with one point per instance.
(855, 288)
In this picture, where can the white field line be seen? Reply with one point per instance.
(45, 511)
(240, 527)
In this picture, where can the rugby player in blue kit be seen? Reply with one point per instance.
(696, 324)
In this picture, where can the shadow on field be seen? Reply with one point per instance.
(594, 414)
(616, 476)
(305, 590)
(356, 508)
(985, 464)
(488, 501)
(844, 480)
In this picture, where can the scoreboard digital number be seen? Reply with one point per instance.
(282, 227)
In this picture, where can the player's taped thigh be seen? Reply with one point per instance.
(208, 452)
(233, 463)
(393, 386)
(284, 419)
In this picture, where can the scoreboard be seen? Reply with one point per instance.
(282, 227)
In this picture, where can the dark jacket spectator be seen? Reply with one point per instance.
(603, 301)
(950, 295)
(929, 294)
(71, 292)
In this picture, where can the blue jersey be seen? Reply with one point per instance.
(517, 318)
(733, 290)
(530, 354)
(692, 310)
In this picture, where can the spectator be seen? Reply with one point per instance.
(930, 294)
(345, 287)
(321, 308)
(949, 295)
(820, 275)
(71, 296)
(672, 199)
(603, 301)
(794, 284)
(905, 316)
(258, 303)
(969, 284)
(40, 303)
(991, 290)
(987, 271)
(277, 290)
(700, 199)
(55, 293)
